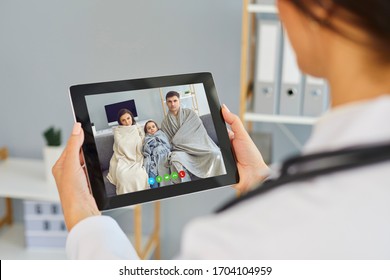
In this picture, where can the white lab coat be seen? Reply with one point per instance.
(344, 215)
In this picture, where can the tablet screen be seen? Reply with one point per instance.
(153, 138)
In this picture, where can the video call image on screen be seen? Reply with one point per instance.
(154, 138)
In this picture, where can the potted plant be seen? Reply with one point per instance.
(52, 151)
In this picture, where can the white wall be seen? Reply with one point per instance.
(147, 102)
(48, 45)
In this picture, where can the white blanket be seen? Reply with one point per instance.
(126, 170)
(191, 146)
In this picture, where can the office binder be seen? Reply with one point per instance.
(291, 97)
(316, 97)
(265, 2)
(267, 66)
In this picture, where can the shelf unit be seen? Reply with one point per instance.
(250, 10)
(7, 219)
(25, 179)
(255, 117)
(248, 54)
(261, 8)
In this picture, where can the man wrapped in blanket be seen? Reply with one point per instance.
(192, 149)
(156, 150)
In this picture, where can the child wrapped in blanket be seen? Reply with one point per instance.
(156, 150)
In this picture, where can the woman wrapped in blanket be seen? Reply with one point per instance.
(156, 150)
(126, 165)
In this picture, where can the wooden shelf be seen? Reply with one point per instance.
(279, 119)
(258, 8)
(248, 46)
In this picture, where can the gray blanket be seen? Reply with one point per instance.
(191, 146)
(156, 150)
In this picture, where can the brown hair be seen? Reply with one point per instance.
(147, 124)
(371, 15)
(171, 94)
(121, 112)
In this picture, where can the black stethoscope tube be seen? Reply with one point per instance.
(305, 167)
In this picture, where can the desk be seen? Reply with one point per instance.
(25, 179)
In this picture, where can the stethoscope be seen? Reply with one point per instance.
(300, 168)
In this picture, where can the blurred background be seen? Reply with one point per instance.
(49, 45)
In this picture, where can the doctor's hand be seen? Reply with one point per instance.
(76, 199)
(251, 166)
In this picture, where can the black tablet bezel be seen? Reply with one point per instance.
(78, 100)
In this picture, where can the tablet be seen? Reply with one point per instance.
(153, 138)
